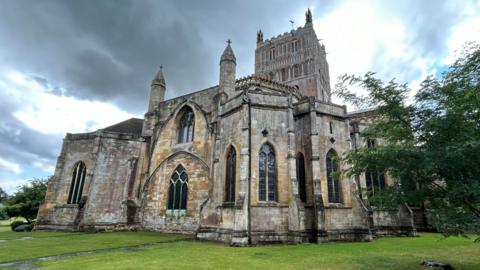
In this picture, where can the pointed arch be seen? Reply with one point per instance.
(186, 125)
(302, 188)
(178, 189)
(333, 181)
(267, 184)
(198, 159)
(230, 174)
(78, 180)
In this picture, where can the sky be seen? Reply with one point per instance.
(77, 66)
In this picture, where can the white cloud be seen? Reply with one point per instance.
(10, 185)
(44, 165)
(363, 35)
(466, 31)
(48, 113)
(10, 167)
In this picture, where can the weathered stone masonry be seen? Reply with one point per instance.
(170, 171)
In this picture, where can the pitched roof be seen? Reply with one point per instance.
(130, 126)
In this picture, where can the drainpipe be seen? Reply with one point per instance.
(249, 195)
(356, 131)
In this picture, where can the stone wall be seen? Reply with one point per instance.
(108, 161)
(108, 192)
(55, 211)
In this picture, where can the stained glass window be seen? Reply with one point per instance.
(267, 186)
(333, 181)
(178, 190)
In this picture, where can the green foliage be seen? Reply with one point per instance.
(26, 201)
(431, 147)
(3, 195)
(3, 213)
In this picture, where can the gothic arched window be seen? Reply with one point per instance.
(296, 71)
(284, 74)
(375, 181)
(295, 45)
(333, 181)
(186, 126)
(267, 186)
(178, 190)
(302, 189)
(76, 186)
(230, 175)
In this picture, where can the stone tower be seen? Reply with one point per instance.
(157, 90)
(295, 58)
(228, 64)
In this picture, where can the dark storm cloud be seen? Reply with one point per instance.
(110, 50)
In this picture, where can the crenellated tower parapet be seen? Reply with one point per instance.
(295, 58)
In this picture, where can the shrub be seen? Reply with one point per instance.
(17, 223)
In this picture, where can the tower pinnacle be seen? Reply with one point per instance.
(308, 16)
(228, 54)
(228, 65)
(157, 90)
(259, 37)
(159, 79)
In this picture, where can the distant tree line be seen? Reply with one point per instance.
(25, 202)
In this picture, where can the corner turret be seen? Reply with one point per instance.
(157, 90)
(228, 65)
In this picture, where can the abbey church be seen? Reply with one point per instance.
(251, 160)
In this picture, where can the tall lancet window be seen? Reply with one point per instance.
(76, 186)
(178, 190)
(333, 181)
(230, 175)
(302, 189)
(267, 186)
(186, 126)
(375, 180)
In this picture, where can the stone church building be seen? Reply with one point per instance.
(250, 160)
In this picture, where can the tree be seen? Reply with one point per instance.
(26, 201)
(3, 195)
(431, 147)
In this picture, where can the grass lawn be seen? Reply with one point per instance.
(385, 253)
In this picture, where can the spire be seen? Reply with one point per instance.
(259, 37)
(228, 54)
(159, 78)
(308, 16)
(157, 90)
